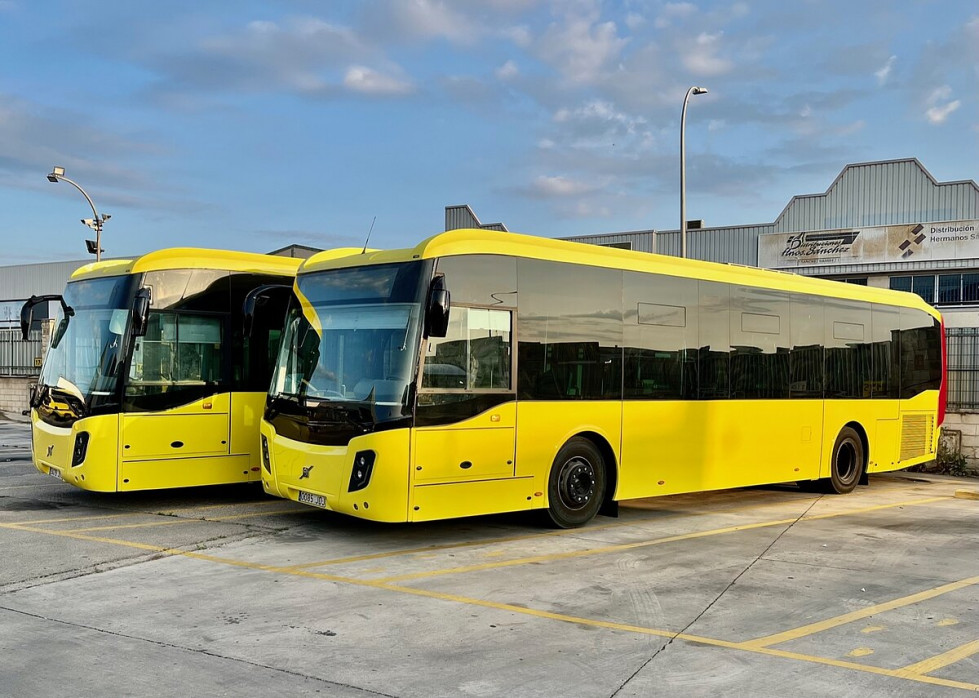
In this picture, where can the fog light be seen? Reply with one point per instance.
(266, 461)
(81, 447)
(360, 473)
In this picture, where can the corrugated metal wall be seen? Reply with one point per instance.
(462, 216)
(735, 245)
(21, 281)
(892, 192)
(641, 240)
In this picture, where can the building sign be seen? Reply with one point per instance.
(892, 243)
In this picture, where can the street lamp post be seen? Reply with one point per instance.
(96, 223)
(683, 169)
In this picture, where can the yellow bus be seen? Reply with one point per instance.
(150, 381)
(484, 372)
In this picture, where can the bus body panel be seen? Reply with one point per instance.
(478, 448)
(385, 497)
(200, 428)
(53, 448)
(545, 426)
(671, 447)
(454, 499)
(246, 416)
(185, 471)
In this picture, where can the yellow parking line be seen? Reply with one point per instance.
(620, 547)
(76, 518)
(167, 521)
(837, 621)
(926, 666)
(638, 504)
(894, 673)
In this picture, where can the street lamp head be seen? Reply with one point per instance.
(55, 173)
(700, 90)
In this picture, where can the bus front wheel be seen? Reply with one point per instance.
(576, 485)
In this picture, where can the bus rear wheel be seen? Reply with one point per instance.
(576, 485)
(847, 464)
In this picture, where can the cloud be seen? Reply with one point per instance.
(940, 105)
(306, 56)
(558, 186)
(885, 72)
(370, 82)
(579, 46)
(507, 70)
(701, 57)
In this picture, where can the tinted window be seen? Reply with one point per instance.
(886, 352)
(714, 341)
(847, 344)
(806, 333)
(921, 353)
(660, 336)
(480, 279)
(759, 343)
(569, 332)
(189, 289)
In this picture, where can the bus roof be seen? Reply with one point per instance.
(474, 241)
(191, 258)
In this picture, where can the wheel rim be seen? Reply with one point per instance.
(576, 485)
(846, 461)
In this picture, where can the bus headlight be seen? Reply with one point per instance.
(81, 448)
(266, 461)
(360, 474)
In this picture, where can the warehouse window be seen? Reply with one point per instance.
(941, 289)
(922, 284)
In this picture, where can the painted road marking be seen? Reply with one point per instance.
(835, 622)
(620, 547)
(926, 666)
(746, 647)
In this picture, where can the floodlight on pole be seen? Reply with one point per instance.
(683, 168)
(58, 174)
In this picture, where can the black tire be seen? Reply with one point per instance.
(847, 465)
(576, 485)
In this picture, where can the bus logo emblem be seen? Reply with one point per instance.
(50, 450)
(306, 469)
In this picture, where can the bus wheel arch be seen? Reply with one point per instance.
(581, 480)
(848, 460)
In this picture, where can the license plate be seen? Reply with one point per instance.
(315, 500)
(55, 473)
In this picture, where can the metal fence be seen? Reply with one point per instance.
(17, 356)
(962, 344)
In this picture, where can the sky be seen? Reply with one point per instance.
(255, 125)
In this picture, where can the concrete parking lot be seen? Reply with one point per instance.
(224, 591)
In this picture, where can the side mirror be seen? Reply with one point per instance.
(27, 312)
(437, 310)
(258, 296)
(141, 312)
(27, 317)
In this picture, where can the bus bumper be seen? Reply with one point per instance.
(367, 478)
(84, 455)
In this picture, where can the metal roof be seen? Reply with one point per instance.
(888, 192)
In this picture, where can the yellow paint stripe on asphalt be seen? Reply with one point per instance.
(620, 547)
(165, 521)
(835, 622)
(894, 673)
(635, 504)
(926, 666)
(93, 517)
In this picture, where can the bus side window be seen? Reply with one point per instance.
(475, 354)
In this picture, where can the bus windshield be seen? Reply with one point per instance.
(87, 348)
(363, 353)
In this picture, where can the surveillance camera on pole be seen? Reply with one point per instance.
(58, 174)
